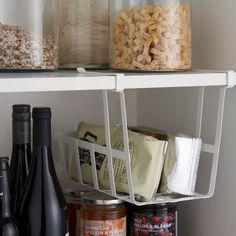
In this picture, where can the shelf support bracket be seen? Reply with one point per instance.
(119, 79)
(231, 79)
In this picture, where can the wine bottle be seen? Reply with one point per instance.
(43, 207)
(21, 153)
(7, 223)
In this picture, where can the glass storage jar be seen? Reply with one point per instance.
(73, 201)
(102, 215)
(28, 34)
(151, 35)
(83, 36)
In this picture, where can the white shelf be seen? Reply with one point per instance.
(109, 80)
(177, 79)
(53, 81)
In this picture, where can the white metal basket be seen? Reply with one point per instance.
(68, 139)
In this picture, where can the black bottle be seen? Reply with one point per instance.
(7, 224)
(43, 208)
(21, 153)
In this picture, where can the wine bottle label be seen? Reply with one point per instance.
(67, 234)
(115, 227)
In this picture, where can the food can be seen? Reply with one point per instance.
(160, 220)
(102, 215)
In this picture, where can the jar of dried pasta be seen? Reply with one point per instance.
(102, 215)
(150, 35)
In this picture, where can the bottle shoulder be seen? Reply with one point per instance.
(8, 226)
(9, 229)
(42, 189)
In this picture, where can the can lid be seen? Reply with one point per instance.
(98, 198)
(74, 195)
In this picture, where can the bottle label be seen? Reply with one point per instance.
(67, 234)
(103, 228)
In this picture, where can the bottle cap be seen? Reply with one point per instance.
(21, 126)
(42, 113)
(21, 112)
(19, 108)
(42, 126)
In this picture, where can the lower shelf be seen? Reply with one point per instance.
(69, 153)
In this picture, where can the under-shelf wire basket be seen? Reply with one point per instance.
(69, 153)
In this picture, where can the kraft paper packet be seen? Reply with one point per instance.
(147, 159)
(96, 135)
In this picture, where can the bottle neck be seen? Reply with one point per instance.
(4, 195)
(42, 152)
(42, 156)
(42, 132)
(21, 131)
(21, 146)
(21, 157)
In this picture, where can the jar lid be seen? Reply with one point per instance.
(74, 195)
(98, 198)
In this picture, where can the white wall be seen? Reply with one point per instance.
(214, 47)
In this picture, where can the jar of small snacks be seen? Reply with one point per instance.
(29, 35)
(152, 35)
(150, 220)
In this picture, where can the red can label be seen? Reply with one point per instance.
(154, 224)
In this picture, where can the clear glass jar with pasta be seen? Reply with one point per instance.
(150, 35)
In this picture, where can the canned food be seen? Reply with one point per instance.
(160, 220)
(73, 200)
(102, 215)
